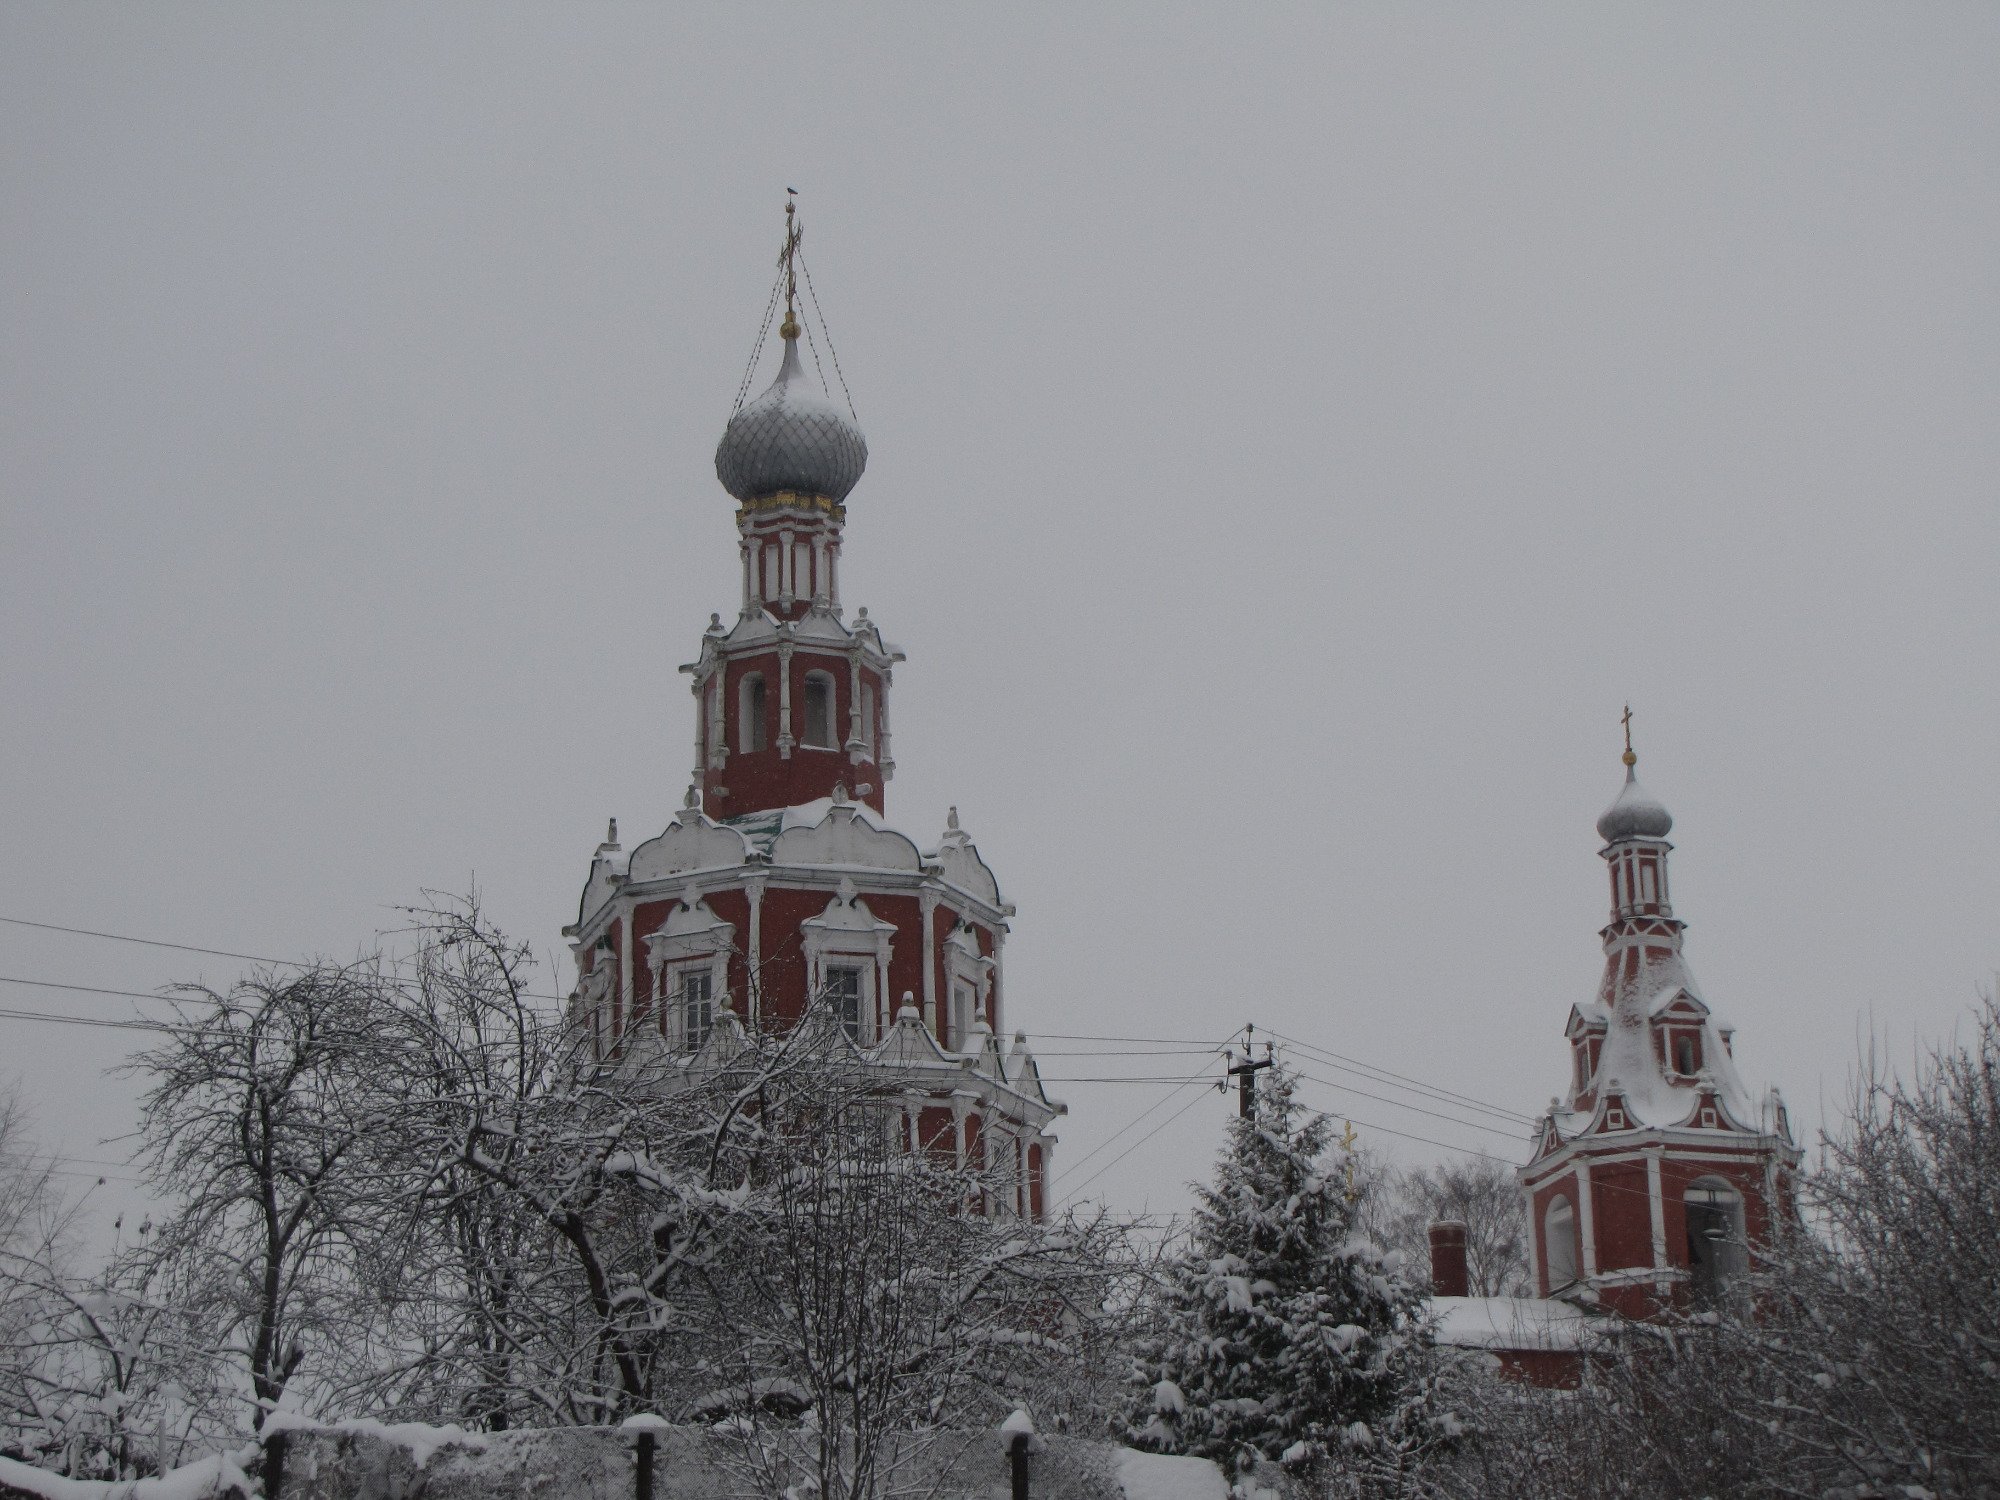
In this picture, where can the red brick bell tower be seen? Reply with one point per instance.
(779, 887)
(792, 700)
(1658, 1174)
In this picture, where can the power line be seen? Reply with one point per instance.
(1070, 1196)
(1157, 1104)
(1153, 1045)
(1386, 1075)
(9, 1014)
(255, 958)
(1413, 1108)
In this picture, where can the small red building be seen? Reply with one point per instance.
(780, 882)
(1658, 1173)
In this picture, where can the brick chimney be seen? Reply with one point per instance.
(1448, 1273)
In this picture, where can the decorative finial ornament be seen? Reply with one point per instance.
(611, 833)
(951, 819)
(789, 329)
(1629, 758)
(693, 798)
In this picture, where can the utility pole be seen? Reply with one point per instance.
(1245, 1073)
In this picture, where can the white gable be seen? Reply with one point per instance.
(843, 838)
(690, 842)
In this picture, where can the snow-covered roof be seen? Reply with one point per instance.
(1630, 1057)
(1510, 1323)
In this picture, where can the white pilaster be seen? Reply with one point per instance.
(1586, 1219)
(1656, 1200)
(753, 1002)
(786, 739)
(927, 902)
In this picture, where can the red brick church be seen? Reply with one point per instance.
(1657, 1173)
(780, 883)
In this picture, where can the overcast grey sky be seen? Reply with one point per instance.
(1295, 432)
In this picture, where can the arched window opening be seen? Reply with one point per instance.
(819, 712)
(1559, 1242)
(1717, 1252)
(1687, 1060)
(750, 733)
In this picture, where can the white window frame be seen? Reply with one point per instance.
(848, 935)
(822, 678)
(751, 732)
(856, 1026)
(965, 968)
(1570, 1257)
(693, 939)
(682, 1035)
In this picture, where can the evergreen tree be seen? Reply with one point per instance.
(1281, 1334)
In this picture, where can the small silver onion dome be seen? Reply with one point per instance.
(790, 438)
(1634, 814)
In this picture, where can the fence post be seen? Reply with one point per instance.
(643, 1468)
(274, 1463)
(1017, 1454)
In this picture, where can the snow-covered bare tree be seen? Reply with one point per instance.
(463, 1272)
(259, 1108)
(1282, 1335)
(1477, 1191)
(34, 1243)
(1862, 1360)
(1885, 1352)
(867, 1283)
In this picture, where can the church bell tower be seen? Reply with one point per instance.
(1657, 1175)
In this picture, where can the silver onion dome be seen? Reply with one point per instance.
(790, 438)
(1634, 814)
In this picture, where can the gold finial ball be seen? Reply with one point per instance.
(789, 329)
(1629, 758)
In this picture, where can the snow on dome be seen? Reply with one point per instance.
(790, 438)
(1635, 814)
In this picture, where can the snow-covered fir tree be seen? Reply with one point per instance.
(1281, 1334)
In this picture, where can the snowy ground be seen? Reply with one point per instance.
(370, 1461)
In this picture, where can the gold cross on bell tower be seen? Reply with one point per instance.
(1626, 719)
(788, 263)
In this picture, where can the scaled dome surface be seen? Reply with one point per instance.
(790, 438)
(1634, 814)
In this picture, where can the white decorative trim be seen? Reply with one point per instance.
(927, 903)
(786, 740)
(1655, 1195)
(693, 939)
(848, 930)
(1586, 1220)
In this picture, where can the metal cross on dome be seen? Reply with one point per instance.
(1626, 720)
(788, 263)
